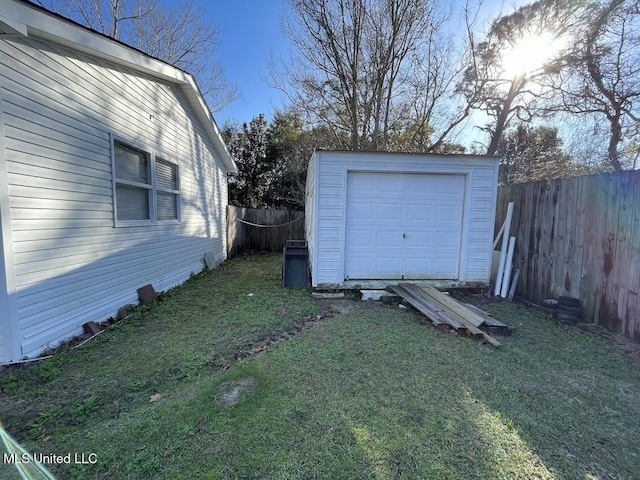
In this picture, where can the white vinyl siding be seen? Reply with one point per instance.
(61, 109)
(328, 207)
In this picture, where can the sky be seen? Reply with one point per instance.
(249, 36)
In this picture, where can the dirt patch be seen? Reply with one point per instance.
(336, 306)
(477, 299)
(235, 391)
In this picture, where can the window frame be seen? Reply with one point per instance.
(156, 189)
(152, 187)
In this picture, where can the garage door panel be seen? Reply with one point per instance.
(363, 183)
(418, 241)
(420, 213)
(449, 183)
(442, 269)
(361, 212)
(390, 264)
(448, 214)
(362, 239)
(445, 241)
(387, 212)
(415, 267)
(423, 183)
(388, 240)
(390, 184)
(369, 267)
(381, 207)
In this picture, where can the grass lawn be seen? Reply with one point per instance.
(369, 392)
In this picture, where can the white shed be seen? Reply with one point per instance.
(112, 176)
(376, 218)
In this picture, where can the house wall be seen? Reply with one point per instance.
(329, 209)
(60, 109)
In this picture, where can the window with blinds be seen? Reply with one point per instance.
(133, 183)
(146, 187)
(167, 190)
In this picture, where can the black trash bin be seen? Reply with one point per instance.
(295, 264)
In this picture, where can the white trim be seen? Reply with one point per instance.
(57, 29)
(464, 228)
(464, 220)
(151, 187)
(176, 192)
(116, 182)
(12, 26)
(114, 201)
(343, 226)
(9, 323)
(316, 220)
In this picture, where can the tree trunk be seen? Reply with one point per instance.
(614, 141)
(501, 121)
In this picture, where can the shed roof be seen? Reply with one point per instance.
(415, 154)
(20, 17)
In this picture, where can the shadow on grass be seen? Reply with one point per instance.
(369, 393)
(571, 396)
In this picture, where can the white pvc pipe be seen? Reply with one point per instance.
(507, 269)
(503, 249)
(495, 243)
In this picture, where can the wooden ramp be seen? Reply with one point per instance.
(441, 309)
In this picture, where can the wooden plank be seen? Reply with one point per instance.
(437, 315)
(633, 279)
(434, 316)
(577, 266)
(462, 318)
(443, 314)
(591, 263)
(608, 316)
(514, 284)
(621, 261)
(488, 319)
(452, 304)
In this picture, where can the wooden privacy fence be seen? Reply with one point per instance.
(262, 229)
(580, 237)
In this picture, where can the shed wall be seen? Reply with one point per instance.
(71, 264)
(310, 210)
(328, 238)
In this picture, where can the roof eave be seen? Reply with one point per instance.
(23, 18)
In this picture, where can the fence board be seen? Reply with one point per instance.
(580, 237)
(274, 228)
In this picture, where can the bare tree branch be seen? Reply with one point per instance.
(178, 36)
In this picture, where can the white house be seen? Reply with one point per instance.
(374, 219)
(112, 176)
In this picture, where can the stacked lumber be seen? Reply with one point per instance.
(441, 309)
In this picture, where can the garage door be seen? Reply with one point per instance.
(403, 225)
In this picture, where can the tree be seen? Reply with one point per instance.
(272, 159)
(290, 145)
(289, 150)
(179, 36)
(529, 154)
(602, 76)
(248, 147)
(506, 68)
(366, 66)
